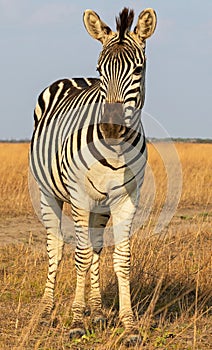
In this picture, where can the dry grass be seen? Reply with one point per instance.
(195, 160)
(170, 277)
(14, 180)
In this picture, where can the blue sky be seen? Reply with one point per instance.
(42, 41)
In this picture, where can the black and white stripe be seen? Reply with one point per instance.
(88, 149)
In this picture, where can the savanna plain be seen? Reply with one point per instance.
(171, 271)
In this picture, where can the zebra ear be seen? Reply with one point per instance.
(146, 24)
(95, 26)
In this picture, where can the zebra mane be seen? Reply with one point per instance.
(124, 22)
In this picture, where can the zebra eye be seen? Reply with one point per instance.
(138, 70)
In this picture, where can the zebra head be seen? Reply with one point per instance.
(121, 66)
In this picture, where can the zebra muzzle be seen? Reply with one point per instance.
(112, 123)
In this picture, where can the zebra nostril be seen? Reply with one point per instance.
(122, 130)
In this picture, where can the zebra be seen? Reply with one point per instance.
(89, 149)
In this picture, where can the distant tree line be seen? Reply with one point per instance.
(149, 140)
(15, 141)
(178, 139)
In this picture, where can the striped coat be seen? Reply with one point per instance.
(88, 149)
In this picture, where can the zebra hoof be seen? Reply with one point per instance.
(77, 331)
(45, 319)
(47, 322)
(132, 339)
(99, 321)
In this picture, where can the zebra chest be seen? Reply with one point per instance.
(100, 177)
(102, 182)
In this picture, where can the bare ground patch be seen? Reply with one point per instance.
(21, 229)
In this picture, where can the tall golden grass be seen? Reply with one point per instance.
(171, 272)
(14, 198)
(195, 159)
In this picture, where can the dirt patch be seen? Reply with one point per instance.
(21, 230)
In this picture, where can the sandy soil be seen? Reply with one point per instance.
(22, 229)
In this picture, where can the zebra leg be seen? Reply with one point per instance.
(122, 220)
(121, 260)
(98, 222)
(51, 210)
(131, 336)
(83, 260)
(95, 299)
